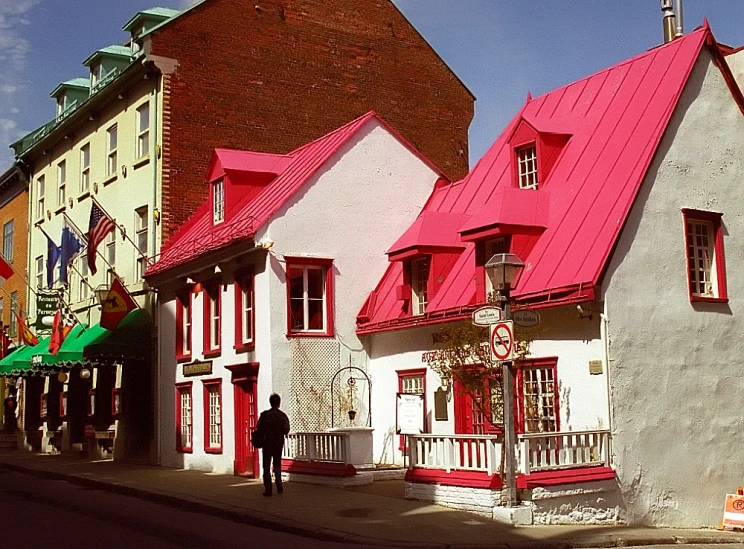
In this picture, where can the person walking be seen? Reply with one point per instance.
(273, 425)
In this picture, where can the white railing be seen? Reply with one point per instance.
(455, 452)
(317, 446)
(570, 449)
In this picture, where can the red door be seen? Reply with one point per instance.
(246, 456)
(470, 416)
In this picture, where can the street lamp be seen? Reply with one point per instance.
(101, 292)
(504, 271)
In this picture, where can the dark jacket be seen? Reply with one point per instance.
(273, 424)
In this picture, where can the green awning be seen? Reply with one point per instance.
(130, 340)
(74, 351)
(19, 362)
(45, 358)
(6, 364)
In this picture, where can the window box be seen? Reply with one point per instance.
(184, 418)
(213, 416)
(309, 297)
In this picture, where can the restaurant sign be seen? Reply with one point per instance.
(197, 368)
(46, 307)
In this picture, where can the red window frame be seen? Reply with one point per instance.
(181, 388)
(537, 363)
(690, 214)
(414, 372)
(208, 448)
(244, 281)
(181, 299)
(62, 404)
(116, 411)
(211, 292)
(327, 264)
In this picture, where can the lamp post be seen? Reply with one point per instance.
(504, 271)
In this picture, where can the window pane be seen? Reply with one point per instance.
(315, 314)
(315, 283)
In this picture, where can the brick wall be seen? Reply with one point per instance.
(271, 75)
(15, 209)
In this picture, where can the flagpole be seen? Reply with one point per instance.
(123, 232)
(8, 263)
(79, 232)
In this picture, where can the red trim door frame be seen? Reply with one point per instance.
(245, 392)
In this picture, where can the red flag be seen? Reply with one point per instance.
(64, 320)
(6, 271)
(117, 305)
(27, 336)
(5, 343)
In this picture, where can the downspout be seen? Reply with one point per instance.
(153, 246)
(605, 337)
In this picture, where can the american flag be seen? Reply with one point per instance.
(99, 227)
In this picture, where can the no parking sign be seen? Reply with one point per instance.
(502, 340)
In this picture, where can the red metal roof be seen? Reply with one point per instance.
(199, 235)
(615, 119)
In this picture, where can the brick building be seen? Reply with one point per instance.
(291, 71)
(14, 227)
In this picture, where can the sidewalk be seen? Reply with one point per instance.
(373, 514)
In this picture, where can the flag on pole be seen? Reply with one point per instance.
(6, 344)
(25, 333)
(64, 320)
(69, 250)
(99, 227)
(6, 271)
(53, 253)
(116, 306)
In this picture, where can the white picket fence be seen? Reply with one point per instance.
(566, 450)
(455, 452)
(317, 446)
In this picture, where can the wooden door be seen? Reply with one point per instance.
(246, 416)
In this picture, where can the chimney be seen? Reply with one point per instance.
(668, 20)
(680, 26)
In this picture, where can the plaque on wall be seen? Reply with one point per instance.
(197, 368)
(440, 405)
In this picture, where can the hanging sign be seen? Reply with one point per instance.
(409, 417)
(46, 307)
(485, 316)
(197, 368)
(526, 318)
(502, 340)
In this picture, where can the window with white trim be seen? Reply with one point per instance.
(527, 162)
(111, 256)
(183, 325)
(184, 404)
(85, 168)
(244, 313)
(212, 318)
(83, 278)
(308, 301)
(13, 328)
(8, 237)
(40, 188)
(218, 201)
(412, 384)
(419, 284)
(141, 227)
(213, 415)
(95, 75)
(111, 147)
(61, 183)
(539, 397)
(39, 271)
(143, 130)
(701, 257)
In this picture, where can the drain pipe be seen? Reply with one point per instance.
(605, 337)
(155, 300)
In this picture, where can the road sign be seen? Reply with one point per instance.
(733, 513)
(526, 318)
(485, 316)
(502, 340)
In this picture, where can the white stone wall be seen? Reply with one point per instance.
(676, 366)
(591, 503)
(480, 501)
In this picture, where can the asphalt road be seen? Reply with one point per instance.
(37, 513)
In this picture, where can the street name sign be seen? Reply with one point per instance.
(526, 318)
(485, 316)
(502, 340)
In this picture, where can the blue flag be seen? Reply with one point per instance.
(53, 253)
(69, 249)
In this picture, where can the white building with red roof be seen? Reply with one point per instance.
(259, 291)
(620, 193)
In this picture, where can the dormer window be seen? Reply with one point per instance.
(95, 75)
(419, 284)
(218, 201)
(527, 158)
(60, 104)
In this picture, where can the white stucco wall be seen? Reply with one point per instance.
(351, 211)
(676, 366)
(562, 334)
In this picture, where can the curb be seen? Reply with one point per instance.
(257, 519)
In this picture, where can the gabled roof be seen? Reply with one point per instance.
(616, 119)
(80, 83)
(199, 236)
(151, 14)
(109, 51)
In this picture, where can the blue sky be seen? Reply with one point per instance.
(499, 48)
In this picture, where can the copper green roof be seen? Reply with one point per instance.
(82, 83)
(149, 14)
(110, 51)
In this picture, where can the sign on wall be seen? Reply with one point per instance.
(46, 307)
(197, 368)
(409, 417)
